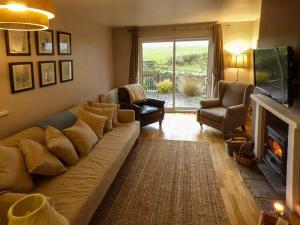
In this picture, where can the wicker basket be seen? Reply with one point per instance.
(244, 156)
(234, 144)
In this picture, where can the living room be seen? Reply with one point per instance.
(83, 74)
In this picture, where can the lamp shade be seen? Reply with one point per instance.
(28, 15)
(239, 61)
(34, 210)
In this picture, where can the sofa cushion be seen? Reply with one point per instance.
(216, 113)
(149, 110)
(78, 192)
(39, 160)
(115, 107)
(34, 133)
(108, 112)
(13, 172)
(60, 146)
(60, 121)
(82, 137)
(94, 121)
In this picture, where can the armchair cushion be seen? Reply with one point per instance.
(233, 94)
(209, 103)
(149, 110)
(216, 113)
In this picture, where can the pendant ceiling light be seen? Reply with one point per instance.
(26, 15)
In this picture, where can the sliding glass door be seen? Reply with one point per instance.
(175, 71)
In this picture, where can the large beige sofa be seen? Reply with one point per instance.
(78, 192)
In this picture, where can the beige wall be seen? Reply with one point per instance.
(239, 36)
(93, 74)
(239, 32)
(280, 26)
(122, 50)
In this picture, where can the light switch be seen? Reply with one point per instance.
(3, 113)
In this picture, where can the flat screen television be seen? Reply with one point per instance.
(274, 73)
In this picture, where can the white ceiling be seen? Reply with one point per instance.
(161, 12)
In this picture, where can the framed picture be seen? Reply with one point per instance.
(47, 73)
(44, 42)
(66, 70)
(17, 43)
(21, 76)
(64, 43)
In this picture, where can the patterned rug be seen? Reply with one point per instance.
(164, 183)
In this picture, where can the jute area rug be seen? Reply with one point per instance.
(164, 183)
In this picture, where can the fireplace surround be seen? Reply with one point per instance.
(264, 104)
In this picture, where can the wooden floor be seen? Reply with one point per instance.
(239, 204)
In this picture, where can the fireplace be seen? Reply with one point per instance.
(275, 152)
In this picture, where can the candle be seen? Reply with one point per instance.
(278, 208)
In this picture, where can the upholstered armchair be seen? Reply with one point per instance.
(228, 111)
(147, 112)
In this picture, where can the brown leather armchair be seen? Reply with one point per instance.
(147, 112)
(229, 111)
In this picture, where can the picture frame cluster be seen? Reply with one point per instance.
(22, 73)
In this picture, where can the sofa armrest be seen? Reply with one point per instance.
(155, 102)
(126, 116)
(6, 201)
(209, 103)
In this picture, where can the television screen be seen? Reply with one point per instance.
(272, 73)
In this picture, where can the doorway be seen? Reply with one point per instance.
(175, 71)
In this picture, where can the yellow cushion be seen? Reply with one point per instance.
(39, 159)
(61, 146)
(108, 112)
(108, 105)
(13, 174)
(95, 122)
(82, 137)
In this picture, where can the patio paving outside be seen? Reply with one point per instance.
(182, 101)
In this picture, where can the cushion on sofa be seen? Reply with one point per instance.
(60, 120)
(13, 173)
(108, 112)
(108, 105)
(60, 146)
(82, 137)
(39, 159)
(77, 199)
(34, 133)
(95, 122)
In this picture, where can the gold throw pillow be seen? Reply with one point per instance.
(13, 173)
(39, 159)
(94, 121)
(115, 107)
(82, 137)
(108, 112)
(61, 146)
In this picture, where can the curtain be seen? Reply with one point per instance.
(133, 68)
(218, 59)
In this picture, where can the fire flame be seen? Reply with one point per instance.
(275, 147)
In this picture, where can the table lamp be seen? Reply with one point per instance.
(239, 61)
(34, 209)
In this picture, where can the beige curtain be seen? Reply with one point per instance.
(218, 59)
(133, 69)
